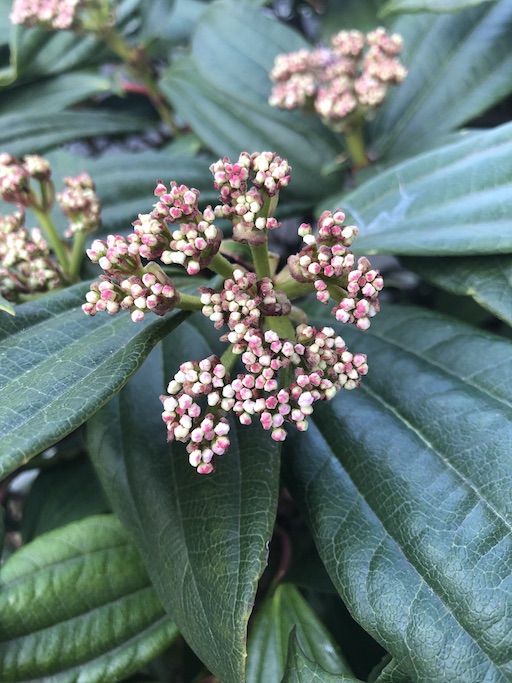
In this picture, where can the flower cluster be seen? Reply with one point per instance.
(80, 204)
(54, 15)
(26, 266)
(248, 192)
(273, 371)
(347, 80)
(328, 263)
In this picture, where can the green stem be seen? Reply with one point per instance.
(355, 146)
(189, 302)
(220, 265)
(281, 324)
(229, 359)
(77, 254)
(294, 289)
(136, 62)
(51, 234)
(261, 260)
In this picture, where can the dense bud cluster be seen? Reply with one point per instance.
(328, 263)
(273, 371)
(348, 79)
(248, 192)
(15, 181)
(26, 266)
(54, 15)
(80, 204)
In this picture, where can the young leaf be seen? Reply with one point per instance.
(7, 306)
(76, 604)
(459, 66)
(403, 485)
(203, 538)
(286, 615)
(301, 669)
(60, 366)
(471, 213)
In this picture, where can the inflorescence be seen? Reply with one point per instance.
(342, 83)
(273, 371)
(54, 15)
(37, 260)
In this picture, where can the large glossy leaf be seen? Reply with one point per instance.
(59, 366)
(284, 613)
(77, 605)
(454, 200)
(393, 6)
(223, 91)
(203, 538)
(406, 487)
(32, 134)
(459, 66)
(488, 280)
(301, 669)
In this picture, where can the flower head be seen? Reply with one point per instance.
(80, 204)
(348, 79)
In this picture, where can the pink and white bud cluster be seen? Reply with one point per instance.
(204, 432)
(192, 244)
(26, 266)
(14, 181)
(80, 204)
(246, 187)
(54, 15)
(153, 292)
(328, 263)
(352, 76)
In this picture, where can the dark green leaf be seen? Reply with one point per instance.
(405, 485)
(282, 614)
(203, 538)
(488, 280)
(60, 495)
(223, 91)
(454, 200)
(301, 669)
(33, 134)
(77, 604)
(60, 366)
(394, 6)
(50, 95)
(459, 66)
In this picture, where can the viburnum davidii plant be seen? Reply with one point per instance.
(209, 323)
(286, 367)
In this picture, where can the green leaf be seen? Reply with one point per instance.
(203, 538)
(77, 604)
(389, 672)
(301, 669)
(488, 280)
(405, 486)
(50, 95)
(2, 529)
(454, 200)
(223, 90)
(394, 6)
(33, 134)
(60, 366)
(459, 66)
(61, 495)
(284, 613)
